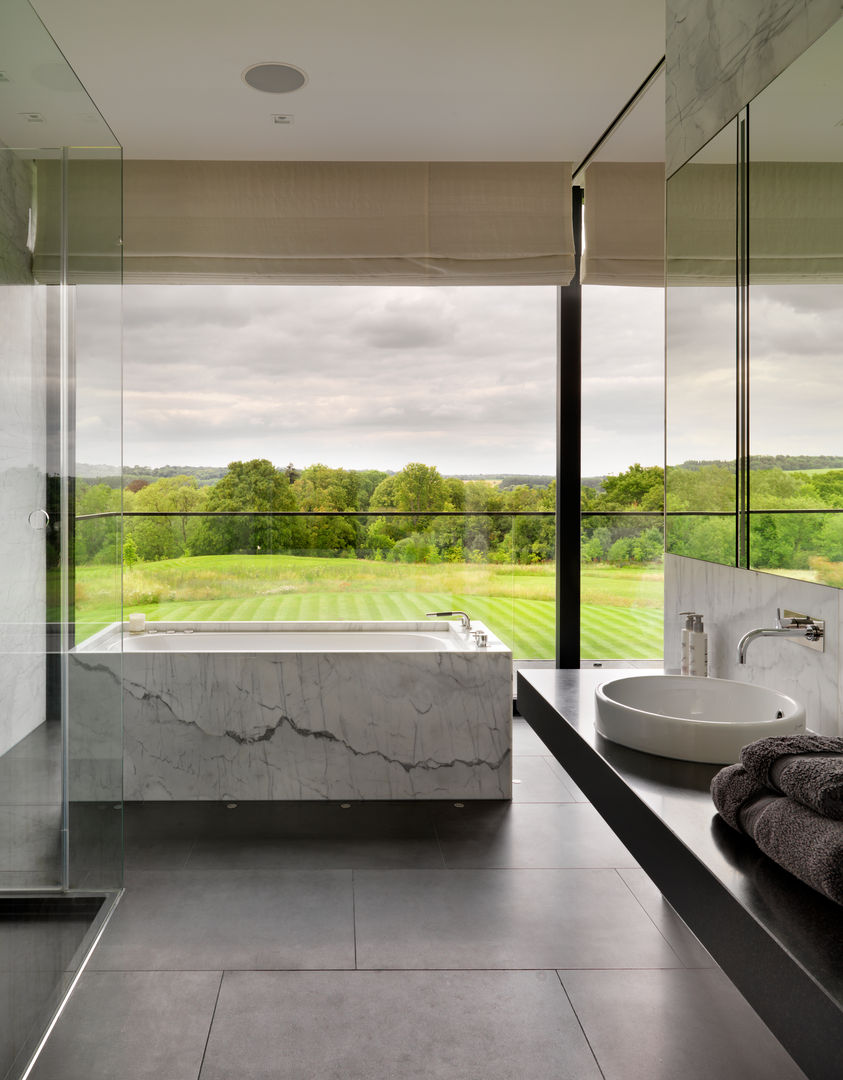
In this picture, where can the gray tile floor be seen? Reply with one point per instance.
(400, 942)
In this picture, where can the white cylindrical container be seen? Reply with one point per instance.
(685, 652)
(698, 648)
(137, 622)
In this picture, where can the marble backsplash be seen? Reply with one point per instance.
(734, 601)
(720, 54)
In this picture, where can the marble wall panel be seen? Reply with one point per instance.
(16, 181)
(22, 489)
(720, 54)
(734, 601)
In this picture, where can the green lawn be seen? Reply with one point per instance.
(621, 609)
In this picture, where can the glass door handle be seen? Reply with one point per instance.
(39, 519)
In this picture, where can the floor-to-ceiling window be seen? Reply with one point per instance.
(319, 453)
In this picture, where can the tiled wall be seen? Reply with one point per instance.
(734, 601)
(721, 53)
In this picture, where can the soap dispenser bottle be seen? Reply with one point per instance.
(698, 648)
(685, 654)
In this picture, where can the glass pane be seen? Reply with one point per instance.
(30, 736)
(379, 401)
(622, 552)
(795, 322)
(701, 322)
(95, 734)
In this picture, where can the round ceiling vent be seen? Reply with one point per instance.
(274, 78)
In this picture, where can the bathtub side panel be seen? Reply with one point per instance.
(318, 726)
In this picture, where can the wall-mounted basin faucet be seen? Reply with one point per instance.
(464, 619)
(802, 628)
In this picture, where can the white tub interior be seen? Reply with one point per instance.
(279, 641)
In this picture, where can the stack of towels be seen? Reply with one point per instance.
(787, 794)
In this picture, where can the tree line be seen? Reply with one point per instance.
(411, 532)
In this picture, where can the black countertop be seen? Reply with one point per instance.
(661, 808)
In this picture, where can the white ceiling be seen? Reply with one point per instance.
(403, 80)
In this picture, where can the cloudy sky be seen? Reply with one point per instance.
(371, 377)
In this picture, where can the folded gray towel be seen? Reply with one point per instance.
(802, 841)
(808, 768)
(731, 789)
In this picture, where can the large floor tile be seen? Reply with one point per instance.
(30, 839)
(553, 835)
(391, 1025)
(684, 943)
(535, 780)
(210, 919)
(132, 1025)
(662, 1025)
(502, 919)
(524, 739)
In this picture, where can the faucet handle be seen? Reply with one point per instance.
(785, 619)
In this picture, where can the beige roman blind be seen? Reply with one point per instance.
(795, 224)
(702, 225)
(348, 222)
(624, 224)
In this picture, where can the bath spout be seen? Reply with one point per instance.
(809, 630)
(464, 619)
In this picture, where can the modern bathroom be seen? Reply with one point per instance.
(415, 830)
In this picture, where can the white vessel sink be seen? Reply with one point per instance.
(693, 719)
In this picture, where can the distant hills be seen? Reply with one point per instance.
(209, 474)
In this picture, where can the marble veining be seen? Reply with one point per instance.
(314, 725)
(720, 54)
(734, 601)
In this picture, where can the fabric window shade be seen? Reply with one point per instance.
(348, 222)
(702, 238)
(796, 222)
(624, 224)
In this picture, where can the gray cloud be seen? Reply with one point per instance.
(463, 378)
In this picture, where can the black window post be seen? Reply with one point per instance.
(568, 465)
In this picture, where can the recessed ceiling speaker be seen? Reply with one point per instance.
(274, 78)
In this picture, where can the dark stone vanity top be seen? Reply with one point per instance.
(778, 940)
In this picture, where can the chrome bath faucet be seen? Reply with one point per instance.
(809, 631)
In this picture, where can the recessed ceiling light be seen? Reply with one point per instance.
(274, 78)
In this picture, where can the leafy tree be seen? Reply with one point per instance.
(95, 538)
(173, 535)
(384, 496)
(638, 488)
(419, 487)
(130, 552)
(321, 488)
(255, 486)
(367, 481)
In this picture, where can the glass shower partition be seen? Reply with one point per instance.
(60, 431)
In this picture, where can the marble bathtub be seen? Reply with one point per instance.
(310, 710)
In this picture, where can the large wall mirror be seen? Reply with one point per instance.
(754, 441)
